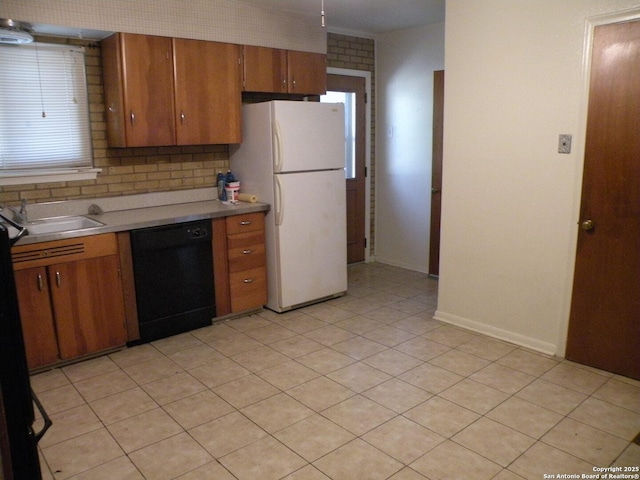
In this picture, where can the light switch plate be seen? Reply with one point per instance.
(564, 143)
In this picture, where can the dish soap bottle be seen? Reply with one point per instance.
(220, 181)
(229, 177)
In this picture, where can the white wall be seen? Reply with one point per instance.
(514, 82)
(405, 62)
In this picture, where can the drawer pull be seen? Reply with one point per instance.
(40, 283)
(246, 222)
(58, 281)
(247, 252)
(248, 280)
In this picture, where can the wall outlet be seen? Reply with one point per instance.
(564, 143)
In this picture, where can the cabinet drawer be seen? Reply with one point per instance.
(248, 289)
(246, 258)
(245, 223)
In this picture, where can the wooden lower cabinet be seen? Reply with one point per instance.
(72, 308)
(247, 261)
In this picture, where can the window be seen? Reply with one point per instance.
(44, 113)
(349, 100)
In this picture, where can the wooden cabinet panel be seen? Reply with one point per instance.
(246, 261)
(70, 297)
(138, 80)
(37, 318)
(163, 91)
(307, 72)
(273, 70)
(246, 251)
(249, 222)
(88, 305)
(207, 92)
(265, 69)
(248, 289)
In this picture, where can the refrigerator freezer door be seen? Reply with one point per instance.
(307, 136)
(310, 235)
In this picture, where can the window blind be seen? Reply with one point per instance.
(44, 113)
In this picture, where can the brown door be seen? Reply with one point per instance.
(355, 170)
(436, 172)
(604, 325)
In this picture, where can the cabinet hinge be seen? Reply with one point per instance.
(365, 242)
(366, 97)
(366, 172)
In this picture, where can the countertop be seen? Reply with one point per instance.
(134, 218)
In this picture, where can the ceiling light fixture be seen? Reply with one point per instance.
(322, 13)
(14, 32)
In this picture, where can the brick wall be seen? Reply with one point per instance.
(357, 53)
(125, 171)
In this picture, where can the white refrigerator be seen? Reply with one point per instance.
(292, 156)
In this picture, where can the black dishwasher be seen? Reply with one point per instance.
(173, 271)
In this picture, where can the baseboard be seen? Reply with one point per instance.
(393, 263)
(497, 333)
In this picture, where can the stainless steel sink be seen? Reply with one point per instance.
(58, 225)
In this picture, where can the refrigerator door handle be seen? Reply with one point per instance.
(277, 147)
(279, 212)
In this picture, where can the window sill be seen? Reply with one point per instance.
(46, 176)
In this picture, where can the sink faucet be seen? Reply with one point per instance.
(20, 216)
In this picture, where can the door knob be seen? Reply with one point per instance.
(587, 225)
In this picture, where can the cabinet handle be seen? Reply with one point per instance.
(58, 281)
(293, 82)
(182, 116)
(133, 117)
(40, 282)
(247, 252)
(248, 280)
(245, 222)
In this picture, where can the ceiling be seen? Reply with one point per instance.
(366, 16)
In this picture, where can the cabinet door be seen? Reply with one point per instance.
(147, 89)
(88, 305)
(265, 69)
(37, 319)
(307, 72)
(207, 92)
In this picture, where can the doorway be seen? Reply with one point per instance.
(604, 322)
(436, 172)
(351, 91)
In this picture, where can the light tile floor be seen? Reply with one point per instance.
(367, 386)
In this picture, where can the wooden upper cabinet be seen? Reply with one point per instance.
(207, 92)
(161, 91)
(273, 70)
(138, 84)
(265, 69)
(307, 72)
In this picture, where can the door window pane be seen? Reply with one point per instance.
(349, 101)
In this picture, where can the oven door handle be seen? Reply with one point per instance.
(22, 231)
(47, 420)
